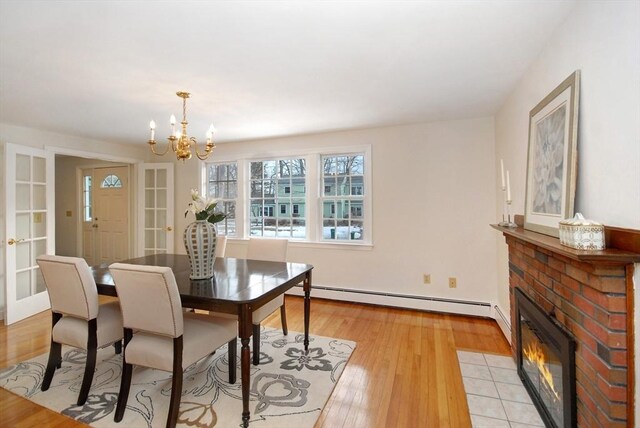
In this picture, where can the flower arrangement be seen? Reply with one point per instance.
(204, 209)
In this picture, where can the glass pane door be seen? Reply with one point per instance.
(156, 218)
(29, 228)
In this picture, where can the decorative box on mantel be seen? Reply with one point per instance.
(582, 234)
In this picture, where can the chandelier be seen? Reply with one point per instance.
(179, 140)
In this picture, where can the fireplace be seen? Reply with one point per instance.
(545, 354)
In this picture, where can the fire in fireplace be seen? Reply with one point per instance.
(546, 362)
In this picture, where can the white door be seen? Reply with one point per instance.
(29, 228)
(111, 214)
(155, 221)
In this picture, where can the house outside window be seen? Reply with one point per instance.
(277, 182)
(343, 176)
(222, 184)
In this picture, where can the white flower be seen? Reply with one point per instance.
(204, 208)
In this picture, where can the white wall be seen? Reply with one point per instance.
(433, 200)
(602, 39)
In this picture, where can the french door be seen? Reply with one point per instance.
(29, 228)
(155, 218)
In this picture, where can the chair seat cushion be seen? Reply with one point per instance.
(74, 331)
(264, 311)
(202, 335)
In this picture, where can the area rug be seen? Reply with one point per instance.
(288, 389)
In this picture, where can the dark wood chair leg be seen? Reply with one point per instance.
(256, 344)
(232, 354)
(90, 366)
(118, 347)
(125, 383)
(176, 383)
(54, 360)
(55, 355)
(283, 318)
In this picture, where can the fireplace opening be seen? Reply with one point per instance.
(545, 356)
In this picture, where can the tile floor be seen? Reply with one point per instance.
(495, 393)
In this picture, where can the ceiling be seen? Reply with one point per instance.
(103, 69)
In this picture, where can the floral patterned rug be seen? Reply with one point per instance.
(288, 388)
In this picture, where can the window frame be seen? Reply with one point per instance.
(313, 198)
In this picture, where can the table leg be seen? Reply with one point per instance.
(245, 329)
(307, 309)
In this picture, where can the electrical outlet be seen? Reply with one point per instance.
(426, 278)
(453, 282)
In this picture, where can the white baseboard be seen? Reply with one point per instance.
(424, 303)
(503, 322)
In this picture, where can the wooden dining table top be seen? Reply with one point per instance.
(235, 281)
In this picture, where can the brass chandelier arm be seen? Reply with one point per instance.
(207, 149)
(152, 143)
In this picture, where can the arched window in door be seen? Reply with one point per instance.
(111, 181)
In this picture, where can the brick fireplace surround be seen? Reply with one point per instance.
(591, 295)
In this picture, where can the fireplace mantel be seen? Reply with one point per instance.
(607, 256)
(590, 293)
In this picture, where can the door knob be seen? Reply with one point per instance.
(14, 241)
(169, 228)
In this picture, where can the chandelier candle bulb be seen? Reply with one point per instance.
(152, 126)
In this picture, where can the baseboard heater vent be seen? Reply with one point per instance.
(401, 296)
(501, 315)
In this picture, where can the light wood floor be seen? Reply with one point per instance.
(403, 373)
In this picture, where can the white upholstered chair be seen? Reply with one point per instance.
(165, 337)
(272, 250)
(78, 319)
(221, 246)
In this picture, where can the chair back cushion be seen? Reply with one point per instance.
(221, 246)
(72, 289)
(270, 250)
(149, 298)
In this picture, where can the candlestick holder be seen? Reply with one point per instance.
(509, 222)
(504, 223)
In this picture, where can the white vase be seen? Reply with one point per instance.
(200, 242)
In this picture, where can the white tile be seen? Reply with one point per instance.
(484, 422)
(504, 361)
(519, 425)
(512, 392)
(482, 387)
(475, 371)
(485, 406)
(522, 413)
(471, 358)
(505, 375)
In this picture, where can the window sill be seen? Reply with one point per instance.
(323, 245)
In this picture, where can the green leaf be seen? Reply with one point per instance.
(216, 217)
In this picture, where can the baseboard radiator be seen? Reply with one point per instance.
(426, 303)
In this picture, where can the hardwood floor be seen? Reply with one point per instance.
(403, 373)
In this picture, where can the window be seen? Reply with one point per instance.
(222, 184)
(309, 196)
(111, 181)
(343, 197)
(86, 198)
(277, 182)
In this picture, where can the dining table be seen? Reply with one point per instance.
(238, 287)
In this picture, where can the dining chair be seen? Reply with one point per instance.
(272, 250)
(221, 246)
(78, 319)
(165, 338)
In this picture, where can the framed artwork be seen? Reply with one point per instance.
(552, 158)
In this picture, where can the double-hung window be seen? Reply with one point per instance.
(278, 182)
(342, 197)
(222, 184)
(318, 197)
